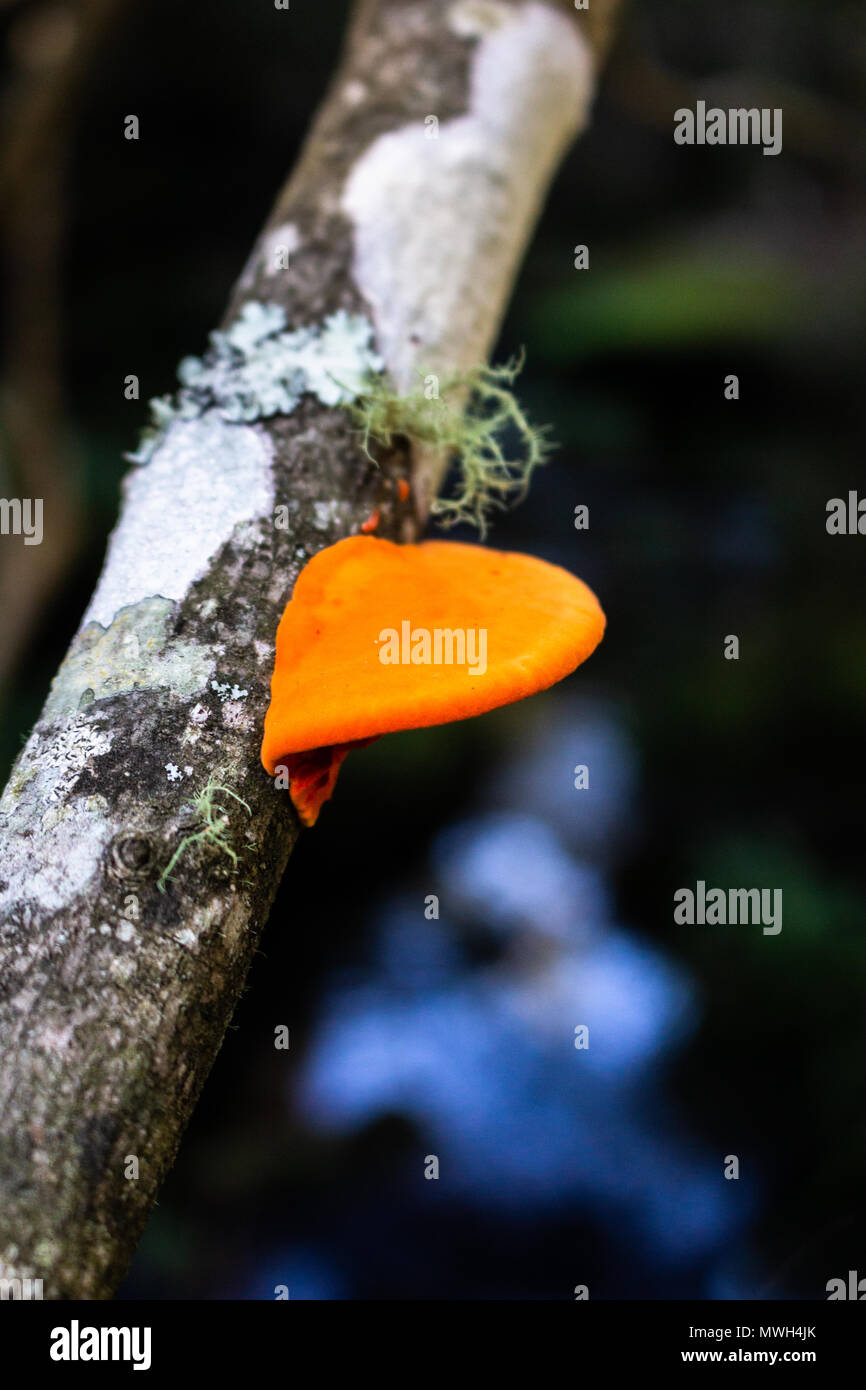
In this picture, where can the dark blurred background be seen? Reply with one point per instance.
(454, 1037)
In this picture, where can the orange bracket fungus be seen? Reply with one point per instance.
(379, 637)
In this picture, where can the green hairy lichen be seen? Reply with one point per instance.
(466, 416)
(213, 825)
(255, 370)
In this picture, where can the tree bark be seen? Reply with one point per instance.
(115, 995)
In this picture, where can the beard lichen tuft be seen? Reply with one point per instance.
(465, 416)
(214, 825)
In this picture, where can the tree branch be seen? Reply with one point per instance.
(115, 995)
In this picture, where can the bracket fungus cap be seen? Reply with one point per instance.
(358, 642)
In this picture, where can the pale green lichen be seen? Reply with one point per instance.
(135, 652)
(255, 370)
(213, 828)
(468, 417)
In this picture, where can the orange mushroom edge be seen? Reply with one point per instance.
(379, 637)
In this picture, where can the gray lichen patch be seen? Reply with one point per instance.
(47, 870)
(136, 652)
(255, 370)
(78, 837)
(205, 481)
(52, 761)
